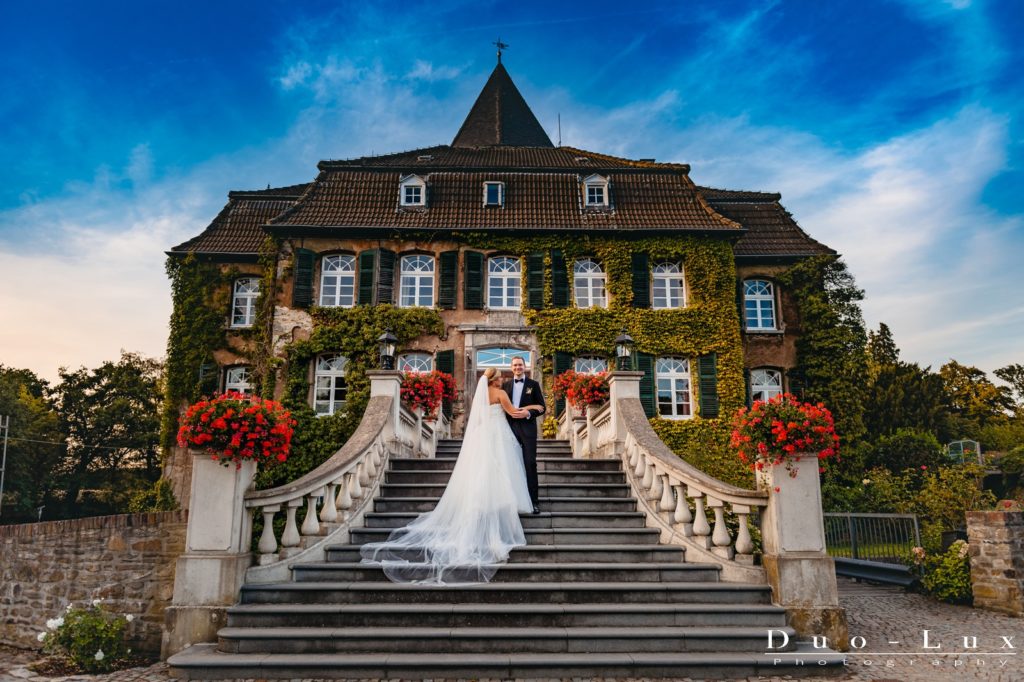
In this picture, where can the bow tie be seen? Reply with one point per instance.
(518, 381)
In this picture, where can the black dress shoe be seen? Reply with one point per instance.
(536, 510)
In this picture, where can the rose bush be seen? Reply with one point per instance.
(428, 390)
(582, 389)
(234, 428)
(781, 430)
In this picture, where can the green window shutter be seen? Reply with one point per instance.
(449, 267)
(641, 281)
(645, 364)
(559, 280)
(707, 368)
(302, 287)
(444, 361)
(473, 296)
(562, 363)
(535, 280)
(367, 276)
(386, 276)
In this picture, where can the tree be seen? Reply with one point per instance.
(830, 350)
(1014, 376)
(882, 350)
(973, 397)
(111, 418)
(36, 444)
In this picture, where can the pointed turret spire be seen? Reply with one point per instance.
(501, 116)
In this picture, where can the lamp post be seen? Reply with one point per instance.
(387, 343)
(624, 351)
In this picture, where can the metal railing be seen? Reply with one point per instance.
(882, 538)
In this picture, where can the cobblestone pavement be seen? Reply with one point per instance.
(886, 627)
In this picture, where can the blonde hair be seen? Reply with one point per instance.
(490, 373)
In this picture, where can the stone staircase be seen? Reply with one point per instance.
(593, 594)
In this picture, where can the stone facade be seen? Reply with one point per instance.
(997, 560)
(127, 560)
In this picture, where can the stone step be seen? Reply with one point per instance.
(546, 536)
(556, 553)
(547, 504)
(523, 572)
(376, 640)
(505, 615)
(543, 477)
(545, 490)
(365, 592)
(205, 662)
(543, 464)
(542, 520)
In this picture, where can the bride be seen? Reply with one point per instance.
(476, 522)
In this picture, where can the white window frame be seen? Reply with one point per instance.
(672, 378)
(422, 363)
(330, 391)
(765, 384)
(590, 364)
(412, 191)
(597, 183)
(416, 281)
(668, 277)
(589, 284)
(501, 357)
(236, 379)
(338, 271)
(501, 193)
(504, 283)
(245, 292)
(758, 304)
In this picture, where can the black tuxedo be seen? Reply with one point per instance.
(525, 430)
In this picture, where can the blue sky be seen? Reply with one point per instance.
(894, 130)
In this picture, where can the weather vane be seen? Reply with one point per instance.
(501, 46)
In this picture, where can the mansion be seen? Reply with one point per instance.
(516, 246)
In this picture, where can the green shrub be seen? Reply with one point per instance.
(156, 498)
(1012, 463)
(90, 637)
(905, 449)
(946, 576)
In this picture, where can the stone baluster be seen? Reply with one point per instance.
(364, 475)
(744, 543)
(720, 536)
(290, 539)
(344, 495)
(655, 491)
(701, 529)
(310, 525)
(668, 502)
(682, 516)
(632, 450)
(357, 487)
(641, 463)
(268, 543)
(648, 480)
(329, 510)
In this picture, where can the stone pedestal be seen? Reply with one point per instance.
(996, 540)
(209, 575)
(388, 382)
(621, 384)
(801, 574)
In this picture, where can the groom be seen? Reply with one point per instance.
(526, 393)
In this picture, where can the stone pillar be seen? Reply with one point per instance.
(621, 384)
(802, 576)
(996, 540)
(209, 575)
(388, 383)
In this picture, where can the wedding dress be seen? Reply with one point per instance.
(476, 522)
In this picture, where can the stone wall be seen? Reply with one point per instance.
(127, 560)
(997, 560)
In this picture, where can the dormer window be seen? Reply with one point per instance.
(413, 191)
(494, 194)
(595, 191)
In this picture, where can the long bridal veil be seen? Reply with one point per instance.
(475, 523)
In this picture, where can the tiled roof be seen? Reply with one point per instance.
(500, 157)
(642, 198)
(238, 228)
(500, 116)
(771, 230)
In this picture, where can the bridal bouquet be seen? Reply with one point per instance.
(234, 427)
(781, 431)
(427, 390)
(582, 389)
